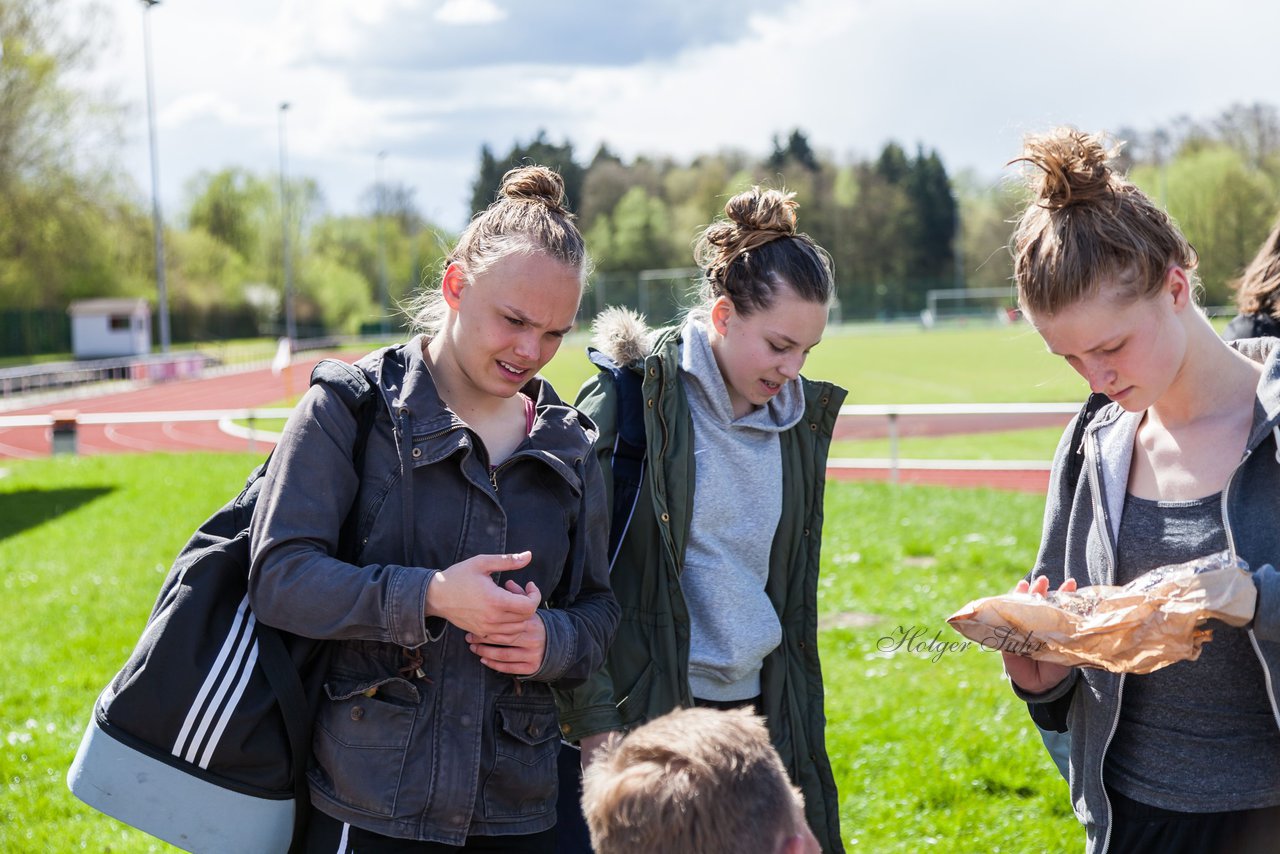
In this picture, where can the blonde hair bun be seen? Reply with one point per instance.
(534, 184)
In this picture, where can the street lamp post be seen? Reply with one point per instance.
(290, 323)
(162, 294)
(384, 294)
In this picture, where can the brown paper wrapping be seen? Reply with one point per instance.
(1147, 624)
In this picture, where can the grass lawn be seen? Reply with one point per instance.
(929, 755)
(904, 364)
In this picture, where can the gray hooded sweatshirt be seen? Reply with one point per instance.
(736, 507)
(1079, 542)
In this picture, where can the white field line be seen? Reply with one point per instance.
(253, 434)
(130, 442)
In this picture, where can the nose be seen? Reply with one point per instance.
(790, 366)
(1100, 376)
(527, 345)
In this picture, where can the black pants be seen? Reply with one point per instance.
(327, 835)
(1139, 828)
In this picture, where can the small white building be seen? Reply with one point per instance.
(110, 327)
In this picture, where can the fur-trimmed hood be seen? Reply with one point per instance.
(622, 334)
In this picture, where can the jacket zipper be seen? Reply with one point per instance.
(1231, 547)
(1095, 485)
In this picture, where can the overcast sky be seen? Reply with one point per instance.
(430, 81)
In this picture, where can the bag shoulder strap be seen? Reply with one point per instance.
(627, 460)
(1075, 459)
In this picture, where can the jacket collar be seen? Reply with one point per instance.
(400, 373)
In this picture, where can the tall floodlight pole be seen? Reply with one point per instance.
(162, 294)
(290, 323)
(384, 291)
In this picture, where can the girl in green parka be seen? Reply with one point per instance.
(717, 572)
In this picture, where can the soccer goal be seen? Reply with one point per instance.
(942, 305)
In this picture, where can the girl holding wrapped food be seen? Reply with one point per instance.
(1182, 464)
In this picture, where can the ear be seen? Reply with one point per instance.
(452, 286)
(721, 313)
(1178, 283)
(793, 845)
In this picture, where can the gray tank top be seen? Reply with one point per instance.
(1196, 736)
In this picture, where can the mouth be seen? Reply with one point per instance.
(513, 372)
(771, 388)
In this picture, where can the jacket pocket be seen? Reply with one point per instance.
(632, 707)
(522, 783)
(362, 740)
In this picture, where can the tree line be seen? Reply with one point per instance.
(897, 224)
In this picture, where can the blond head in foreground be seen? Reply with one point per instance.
(695, 781)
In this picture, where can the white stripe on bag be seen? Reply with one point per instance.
(342, 843)
(225, 717)
(247, 642)
(211, 679)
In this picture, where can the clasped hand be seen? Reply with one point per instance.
(502, 623)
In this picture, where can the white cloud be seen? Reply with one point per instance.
(967, 77)
(465, 12)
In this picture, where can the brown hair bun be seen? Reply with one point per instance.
(1072, 168)
(755, 248)
(753, 218)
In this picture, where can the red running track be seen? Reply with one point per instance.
(256, 388)
(260, 388)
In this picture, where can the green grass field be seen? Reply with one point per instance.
(904, 364)
(932, 755)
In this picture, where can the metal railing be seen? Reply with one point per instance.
(894, 411)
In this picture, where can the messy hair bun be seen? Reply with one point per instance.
(1072, 169)
(535, 184)
(756, 247)
(528, 216)
(1086, 223)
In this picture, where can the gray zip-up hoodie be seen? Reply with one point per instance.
(1079, 542)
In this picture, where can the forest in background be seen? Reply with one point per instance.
(73, 226)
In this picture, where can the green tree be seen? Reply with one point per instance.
(1224, 208)
(987, 211)
(796, 152)
(641, 236)
(62, 212)
(539, 151)
(235, 207)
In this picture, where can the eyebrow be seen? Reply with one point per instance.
(791, 342)
(524, 318)
(1106, 343)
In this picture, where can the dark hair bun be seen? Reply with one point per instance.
(763, 210)
(534, 184)
(1072, 168)
(752, 219)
